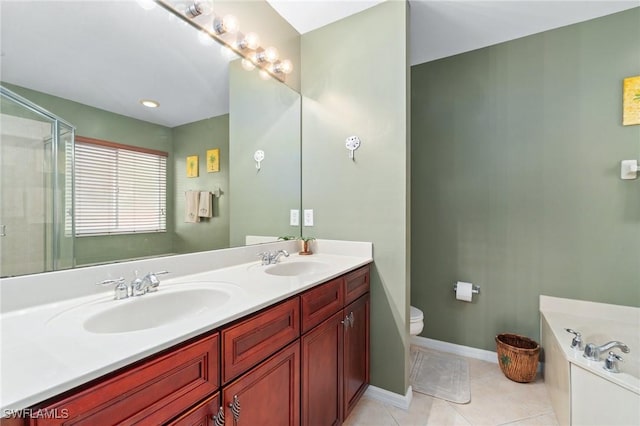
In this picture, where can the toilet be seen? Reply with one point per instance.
(417, 321)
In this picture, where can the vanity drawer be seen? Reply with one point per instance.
(248, 342)
(356, 284)
(320, 303)
(201, 414)
(152, 392)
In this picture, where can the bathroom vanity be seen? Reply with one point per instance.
(303, 359)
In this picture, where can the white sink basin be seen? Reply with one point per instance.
(154, 310)
(170, 304)
(294, 269)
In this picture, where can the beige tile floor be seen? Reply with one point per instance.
(495, 400)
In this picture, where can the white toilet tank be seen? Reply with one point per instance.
(417, 321)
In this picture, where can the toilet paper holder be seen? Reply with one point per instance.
(475, 289)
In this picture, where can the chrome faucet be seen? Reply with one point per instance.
(147, 284)
(270, 258)
(593, 352)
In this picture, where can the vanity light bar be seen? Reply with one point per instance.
(247, 47)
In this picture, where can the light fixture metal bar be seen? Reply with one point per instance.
(169, 8)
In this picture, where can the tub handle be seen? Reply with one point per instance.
(611, 363)
(576, 343)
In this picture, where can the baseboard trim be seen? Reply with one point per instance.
(395, 399)
(466, 351)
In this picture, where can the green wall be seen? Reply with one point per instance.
(515, 184)
(264, 115)
(354, 82)
(195, 139)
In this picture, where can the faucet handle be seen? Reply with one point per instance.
(121, 290)
(576, 343)
(611, 363)
(153, 280)
(109, 282)
(264, 256)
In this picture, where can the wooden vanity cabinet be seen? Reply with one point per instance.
(152, 392)
(335, 352)
(302, 361)
(267, 395)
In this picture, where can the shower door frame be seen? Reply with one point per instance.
(58, 225)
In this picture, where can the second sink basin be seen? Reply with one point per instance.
(153, 310)
(293, 269)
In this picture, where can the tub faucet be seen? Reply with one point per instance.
(592, 352)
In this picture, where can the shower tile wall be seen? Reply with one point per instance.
(23, 209)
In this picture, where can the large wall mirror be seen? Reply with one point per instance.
(89, 64)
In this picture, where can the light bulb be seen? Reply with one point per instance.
(199, 7)
(247, 65)
(228, 24)
(271, 54)
(284, 67)
(249, 41)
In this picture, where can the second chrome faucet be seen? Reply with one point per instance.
(271, 257)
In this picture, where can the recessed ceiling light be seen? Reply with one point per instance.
(150, 103)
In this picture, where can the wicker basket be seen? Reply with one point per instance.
(518, 357)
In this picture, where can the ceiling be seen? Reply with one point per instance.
(111, 54)
(441, 28)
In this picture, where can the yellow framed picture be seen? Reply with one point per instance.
(631, 101)
(192, 166)
(213, 160)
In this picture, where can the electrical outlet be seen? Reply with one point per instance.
(294, 217)
(308, 217)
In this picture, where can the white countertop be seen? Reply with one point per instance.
(598, 323)
(42, 357)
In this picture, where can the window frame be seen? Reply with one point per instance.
(117, 210)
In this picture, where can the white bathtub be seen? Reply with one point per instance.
(581, 391)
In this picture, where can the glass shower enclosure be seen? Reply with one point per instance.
(36, 188)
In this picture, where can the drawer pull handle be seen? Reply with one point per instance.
(218, 419)
(235, 409)
(350, 317)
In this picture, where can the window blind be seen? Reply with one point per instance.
(119, 189)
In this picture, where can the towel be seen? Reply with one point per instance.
(204, 205)
(191, 207)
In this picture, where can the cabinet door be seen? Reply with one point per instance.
(200, 415)
(322, 373)
(268, 395)
(356, 352)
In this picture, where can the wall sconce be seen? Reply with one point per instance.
(246, 46)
